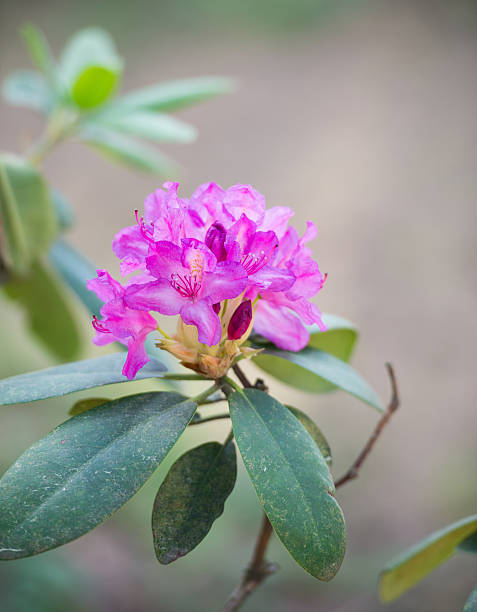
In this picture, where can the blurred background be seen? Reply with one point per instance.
(361, 116)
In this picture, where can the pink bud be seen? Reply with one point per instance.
(240, 321)
(215, 240)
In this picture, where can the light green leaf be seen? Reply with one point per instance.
(126, 150)
(48, 310)
(191, 498)
(87, 468)
(39, 49)
(146, 124)
(173, 95)
(471, 603)
(413, 565)
(70, 377)
(307, 368)
(90, 67)
(75, 270)
(27, 88)
(314, 431)
(26, 213)
(87, 404)
(292, 481)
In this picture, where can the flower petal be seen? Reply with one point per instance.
(164, 259)
(280, 326)
(158, 295)
(105, 287)
(130, 246)
(228, 280)
(202, 315)
(270, 278)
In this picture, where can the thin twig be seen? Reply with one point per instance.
(353, 471)
(257, 571)
(240, 374)
(215, 417)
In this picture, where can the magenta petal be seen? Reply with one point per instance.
(164, 259)
(270, 278)
(228, 280)
(136, 358)
(245, 199)
(158, 295)
(202, 315)
(196, 256)
(276, 219)
(105, 287)
(280, 326)
(241, 232)
(130, 246)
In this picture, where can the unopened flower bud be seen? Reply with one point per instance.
(215, 240)
(240, 321)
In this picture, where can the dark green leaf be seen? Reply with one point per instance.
(292, 481)
(38, 48)
(26, 213)
(191, 498)
(414, 564)
(90, 67)
(27, 88)
(315, 433)
(87, 404)
(146, 124)
(71, 377)
(75, 270)
(307, 368)
(471, 603)
(47, 309)
(64, 212)
(126, 150)
(173, 95)
(469, 544)
(87, 468)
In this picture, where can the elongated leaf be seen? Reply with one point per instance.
(314, 431)
(87, 468)
(48, 311)
(39, 49)
(64, 212)
(146, 124)
(87, 404)
(75, 270)
(27, 88)
(126, 150)
(191, 498)
(310, 366)
(173, 95)
(471, 603)
(292, 481)
(71, 377)
(469, 544)
(26, 213)
(414, 564)
(90, 67)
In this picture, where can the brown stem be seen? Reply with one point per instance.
(240, 374)
(353, 471)
(257, 571)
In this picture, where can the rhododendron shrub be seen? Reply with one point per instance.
(223, 263)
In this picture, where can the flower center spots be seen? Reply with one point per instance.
(252, 263)
(186, 284)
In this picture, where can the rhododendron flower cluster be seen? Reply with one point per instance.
(223, 263)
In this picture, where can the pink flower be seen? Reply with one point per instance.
(189, 282)
(221, 261)
(120, 323)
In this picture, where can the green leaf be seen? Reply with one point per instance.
(27, 215)
(75, 270)
(471, 603)
(39, 49)
(87, 404)
(126, 150)
(314, 431)
(48, 310)
(90, 67)
(292, 481)
(27, 88)
(306, 369)
(84, 470)
(71, 377)
(469, 544)
(146, 124)
(173, 95)
(413, 565)
(64, 212)
(191, 498)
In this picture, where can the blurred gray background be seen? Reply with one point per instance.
(362, 117)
